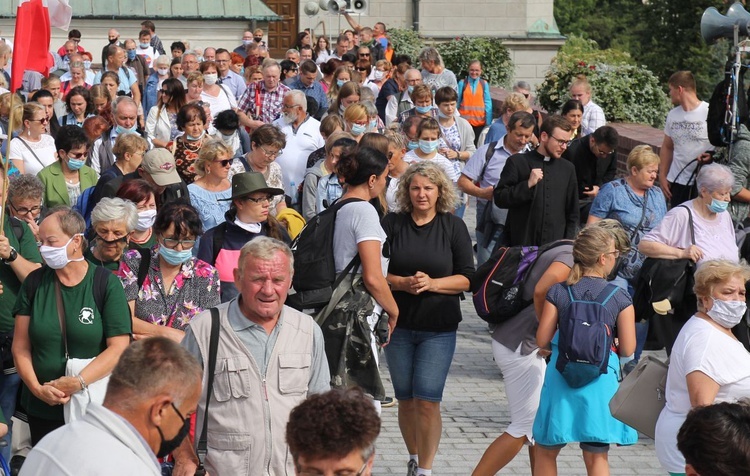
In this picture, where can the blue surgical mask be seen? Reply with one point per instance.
(189, 137)
(144, 45)
(175, 257)
(718, 206)
(246, 42)
(75, 164)
(442, 115)
(423, 109)
(428, 146)
(410, 89)
(373, 125)
(87, 64)
(358, 129)
(412, 145)
(122, 130)
(340, 82)
(131, 55)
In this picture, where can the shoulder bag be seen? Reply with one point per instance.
(641, 396)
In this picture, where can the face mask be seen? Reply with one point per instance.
(201, 59)
(168, 446)
(189, 137)
(246, 42)
(410, 89)
(87, 64)
(145, 220)
(718, 206)
(423, 109)
(442, 115)
(727, 313)
(227, 138)
(341, 110)
(162, 71)
(258, 39)
(131, 55)
(122, 130)
(144, 45)
(428, 146)
(57, 257)
(175, 257)
(412, 145)
(377, 75)
(340, 82)
(373, 125)
(358, 129)
(289, 118)
(112, 42)
(75, 164)
(210, 79)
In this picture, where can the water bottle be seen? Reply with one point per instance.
(293, 192)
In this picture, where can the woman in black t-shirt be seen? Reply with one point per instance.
(431, 264)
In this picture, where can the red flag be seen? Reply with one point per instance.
(31, 41)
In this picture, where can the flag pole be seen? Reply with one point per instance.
(6, 162)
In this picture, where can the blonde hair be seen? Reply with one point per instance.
(590, 244)
(515, 102)
(581, 80)
(130, 143)
(622, 240)
(447, 197)
(355, 112)
(195, 76)
(208, 153)
(715, 272)
(642, 156)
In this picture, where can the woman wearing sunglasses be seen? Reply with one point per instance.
(176, 286)
(34, 148)
(65, 179)
(210, 190)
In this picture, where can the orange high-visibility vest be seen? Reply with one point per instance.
(472, 104)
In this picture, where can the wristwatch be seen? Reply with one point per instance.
(11, 256)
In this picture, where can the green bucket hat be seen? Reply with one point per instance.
(250, 182)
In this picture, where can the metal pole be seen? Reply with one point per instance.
(6, 163)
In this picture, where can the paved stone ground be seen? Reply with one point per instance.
(475, 411)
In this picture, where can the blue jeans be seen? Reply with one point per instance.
(641, 328)
(483, 253)
(8, 393)
(418, 362)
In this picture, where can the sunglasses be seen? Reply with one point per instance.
(43, 120)
(363, 70)
(164, 91)
(367, 55)
(224, 163)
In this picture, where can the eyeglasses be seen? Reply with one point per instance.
(224, 163)
(26, 211)
(270, 154)
(266, 199)
(338, 473)
(616, 253)
(44, 120)
(562, 143)
(172, 243)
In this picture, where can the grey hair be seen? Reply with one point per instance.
(123, 100)
(712, 177)
(264, 248)
(162, 59)
(430, 53)
(76, 64)
(522, 85)
(291, 50)
(149, 368)
(413, 71)
(369, 105)
(25, 186)
(395, 138)
(115, 209)
(299, 98)
(269, 63)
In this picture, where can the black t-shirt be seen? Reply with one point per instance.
(440, 248)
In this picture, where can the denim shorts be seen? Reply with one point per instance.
(419, 362)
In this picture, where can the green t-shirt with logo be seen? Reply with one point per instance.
(27, 248)
(87, 329)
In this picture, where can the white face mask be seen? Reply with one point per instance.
(162, 71)
(145, 220)
(727, 313)
(57, 257)
(210, 78)
(377, 75)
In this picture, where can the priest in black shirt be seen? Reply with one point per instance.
(540, 189)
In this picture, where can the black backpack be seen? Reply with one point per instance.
(720, 106)
(314, 266)
(101, 275)
(585, 337)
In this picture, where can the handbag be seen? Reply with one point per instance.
(79, 401)
(641, 396)
(621, 260)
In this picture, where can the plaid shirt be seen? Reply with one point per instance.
(270, 101)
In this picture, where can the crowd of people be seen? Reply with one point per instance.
(157, 200)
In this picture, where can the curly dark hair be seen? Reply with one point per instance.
(186, 221)
(332, 425)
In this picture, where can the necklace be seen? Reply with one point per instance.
(140, 242)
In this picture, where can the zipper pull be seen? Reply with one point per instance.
(265, 389)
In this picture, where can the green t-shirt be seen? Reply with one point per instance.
(86, 329)
(110, 265)
(26, 248)
(147, 245)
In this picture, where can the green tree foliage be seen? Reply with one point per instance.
(497, 67)
(405, 41)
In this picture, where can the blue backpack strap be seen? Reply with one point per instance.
(607, 293)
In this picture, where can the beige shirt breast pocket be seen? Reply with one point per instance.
(232, 378)
(294, 373)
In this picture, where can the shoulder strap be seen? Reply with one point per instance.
(61, 315)
(643, 216)
(213, 346)
(487, 156)
(101, 277)
(32, 151)
(32, 282)
(690, 220)
(607, 293)
(17, 228)
(144, 266)
(218, 241)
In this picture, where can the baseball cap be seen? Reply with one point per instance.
(159, 164)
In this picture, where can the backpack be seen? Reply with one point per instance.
(84, 206)
(585, 337)
(314, 265)
(101, 276)
(720, 108)
(497, 286)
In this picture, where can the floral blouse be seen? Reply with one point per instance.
(185, 154)
(195, 289)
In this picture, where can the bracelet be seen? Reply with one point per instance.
(82, 382)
